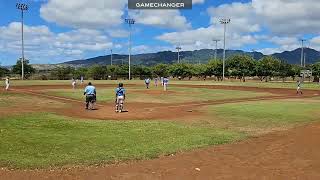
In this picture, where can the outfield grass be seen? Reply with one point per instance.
(156, 95)
(267, 114)
(290, 85)
(46, 140)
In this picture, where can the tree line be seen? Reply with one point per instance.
(237, 66)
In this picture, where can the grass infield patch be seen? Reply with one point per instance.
(47, 140)
(266, 114)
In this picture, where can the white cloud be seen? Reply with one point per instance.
(242, 17)
(198, 1)
(89, 14)
(289, 17)
(41, 43)
(202, 38)
(161, 18)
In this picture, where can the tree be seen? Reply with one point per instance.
(3, 72)
(80, 72)
(160, 70)
(240, 66)
(28, 69)
(316, 71)
(200, 70)
(97, 72)
(285, 70)
(215, 68)
(141, 71)
(181, 71)
(62, 73)
(266, 67)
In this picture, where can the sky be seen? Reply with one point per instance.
(61, 30)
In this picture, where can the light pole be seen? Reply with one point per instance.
(22, 7)
(111, 57)
(302, 49)
(224, 22)
(216, 50)
(178, 49)
(130, 22)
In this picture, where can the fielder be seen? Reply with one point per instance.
(147, 81)
(90, 93)
(161, 81)
(156, 82)
(120, 97)
(165, 83)
(7, 83)
(81, 79)
(74, 83)
(299, 86)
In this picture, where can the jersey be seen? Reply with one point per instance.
(165, 81)
(147, 81)
(7, 81)
(120, 92)
(90, 90)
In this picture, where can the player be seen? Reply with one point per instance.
(120, 97)
(299, 85)
(165, 83)
(81, 79)
(90, 93)
(156, 82)
(161, 81)
(7, 82)
(74, 82)
(147, 81)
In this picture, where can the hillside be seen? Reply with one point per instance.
(202, 56)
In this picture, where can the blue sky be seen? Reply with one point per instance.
(60, 30)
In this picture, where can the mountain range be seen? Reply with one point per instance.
(197, 56)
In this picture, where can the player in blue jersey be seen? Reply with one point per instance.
(120, 97)
(91, 94)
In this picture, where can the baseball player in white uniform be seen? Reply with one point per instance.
(7, 83)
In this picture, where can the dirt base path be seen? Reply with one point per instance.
(292, 154)
(156, 111)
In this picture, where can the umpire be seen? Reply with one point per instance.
(91, 94)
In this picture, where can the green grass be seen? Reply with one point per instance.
(46, 140)
(174, 95)
(291, 85)
(266, 114)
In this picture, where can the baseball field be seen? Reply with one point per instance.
(195, 130)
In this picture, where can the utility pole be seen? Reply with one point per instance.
(304, 59)
(302, 51)
(178, 49)
(22, 7)
(216, 50)
(224, 22)
(111, 57)
(130, 22)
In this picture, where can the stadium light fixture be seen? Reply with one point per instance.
(130, 22)
(224, 21)
(22, 7)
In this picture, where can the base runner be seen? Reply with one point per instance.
(90, 93)
(120, 97)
